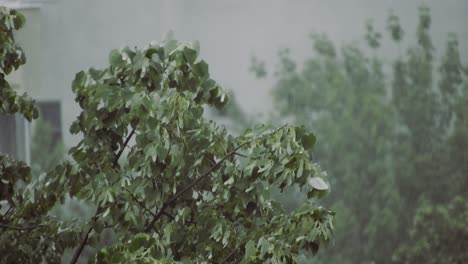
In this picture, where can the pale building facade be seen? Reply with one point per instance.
(15, 131)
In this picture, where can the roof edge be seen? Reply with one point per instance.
(19, 6)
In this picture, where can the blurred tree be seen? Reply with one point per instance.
(387, 141)
(438, 235)
(342, 96)
(432, 136)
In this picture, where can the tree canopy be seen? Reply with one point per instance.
(172, 186)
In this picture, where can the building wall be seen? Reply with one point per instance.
(66, 36)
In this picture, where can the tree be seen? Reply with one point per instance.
(395, 144)
(11, 57)
(341, 94)
(438, 228)
(439, 234)
(172, 186)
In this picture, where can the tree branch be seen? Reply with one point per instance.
(139, 202)
(232, 253)
(242, 155)
(117, 157)
(229, 256)
(168, 215)
(7, 213)
(188, 187)
(172, 218)
(195, 182)
(22, 228)
(80, 248)
(83, 242)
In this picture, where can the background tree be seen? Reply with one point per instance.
(395, 143)
(342, 96)
(438, 234)
(188, 192)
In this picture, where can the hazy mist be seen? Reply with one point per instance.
(76, 35)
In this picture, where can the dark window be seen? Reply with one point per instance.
(13, 136)
(8, 134)
(50, 112)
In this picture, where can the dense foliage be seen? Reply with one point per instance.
(433, 233)
(169, 184)
(11, 57)
(396, 143)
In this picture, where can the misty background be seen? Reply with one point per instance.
(76, 35)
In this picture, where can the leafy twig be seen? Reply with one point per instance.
(80, 248)
(188, 187)
(195, 182)
(117, 157)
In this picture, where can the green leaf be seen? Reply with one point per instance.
(301, 169)
(117, 257)
(201, 69)
(230, 181)
(190, 55)
(308, 140)
(138, 242)
(19, 21)
(250, 251)
(115, 58)
(318, 183)
(170, 44)
(98, 227)
(264, 246)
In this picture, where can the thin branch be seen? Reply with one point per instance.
(80, 248)
(239, 260)
(83, 242)
(212, 163)
(242, 155)
(178, 194)
(225, 150)
(168, 215)
(22, 228)
(139, 202)
(154, 183)
(188, 187)
(195, 182)
(117, 157)
(8, 213)
(229, 256)
(233, 252)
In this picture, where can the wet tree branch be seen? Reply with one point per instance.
(198, 180)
